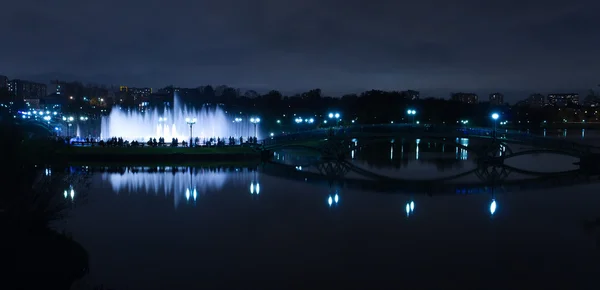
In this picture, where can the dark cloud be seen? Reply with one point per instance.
(338, 45)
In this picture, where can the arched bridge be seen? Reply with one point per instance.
(337, 142)
(488, 176)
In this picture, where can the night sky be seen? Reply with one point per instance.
(337, 45)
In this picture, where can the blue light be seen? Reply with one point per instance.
(495, 116)
(493, 207)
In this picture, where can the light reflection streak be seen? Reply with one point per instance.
(464, 152)
(333, 200)
(410, 208)
(493, 207)
(179, 183)
(417, 149)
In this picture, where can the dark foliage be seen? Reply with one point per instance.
(35, 256)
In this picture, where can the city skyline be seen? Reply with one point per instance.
(510, 97)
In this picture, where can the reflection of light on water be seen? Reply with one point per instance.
(544, 132)
(335, 199)
(582, 133)
(463, 151)
(177, 183)
(410, 208)
(417, 150)
(392, 152)
(69, 193)
(254, 188)
(493, 206)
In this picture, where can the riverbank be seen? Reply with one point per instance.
(158, 155)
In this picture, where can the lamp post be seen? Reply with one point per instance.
(335, 116)
(191, 122)
(238, 126)
(464, 122)
(255, 121)
(298, 121)
(412, 113)
(68, 120)
(47, 119)
(495, 116)
(83, 119)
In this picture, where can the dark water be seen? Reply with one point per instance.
(247, 228)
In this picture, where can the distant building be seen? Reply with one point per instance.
(562, 100)
(468, 98)
(32, 103)
(53, 102)
(26, 89)
(410, 95)
(137, 93)
(536, 100)
(496, 99)
(3, 81)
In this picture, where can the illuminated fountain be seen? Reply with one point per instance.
(185, 185)
(212, 122)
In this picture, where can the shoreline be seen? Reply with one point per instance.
(160, 155)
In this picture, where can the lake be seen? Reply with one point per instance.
(253, 226)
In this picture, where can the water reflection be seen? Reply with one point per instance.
(462, 153)
(417, 149)
(493, 207)
(69, 193)
(182, 183)
(333, 200)
(410, 208)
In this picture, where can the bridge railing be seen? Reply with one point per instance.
(453, 131)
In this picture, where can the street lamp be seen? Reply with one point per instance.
(68, 120)
(412, 113)
(495, 116)
(191, 122)
(47, 119)
(335, 116)
(255, 121)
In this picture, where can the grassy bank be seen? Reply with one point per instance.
(74, 150)
(158, 155)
